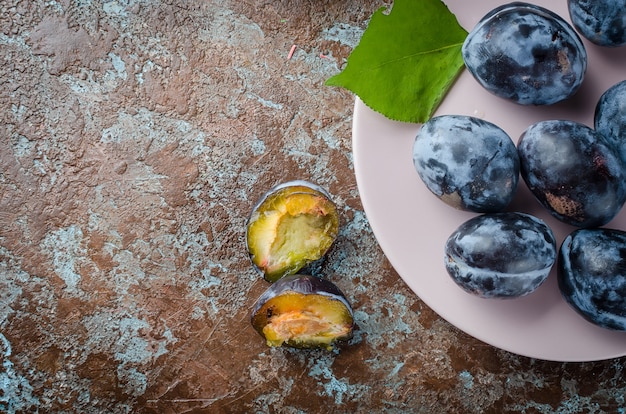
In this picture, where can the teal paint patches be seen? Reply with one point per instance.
(272, 402)
(119, 66)
(348, 260)
(466, 378)
(131, 347)
(524, 379)
(573, 405)
(114, 8)
(257, 146)
(357, 334)
(330, 136)
(343, 33)
(10, 285)
(389, 322)
(340, 389)
(395, 370)
(401, 325)
(135, 382)
(131, 343)
(65, 246)
(16, 393)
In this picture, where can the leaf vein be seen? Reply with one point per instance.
(413, 55)
(426, 58)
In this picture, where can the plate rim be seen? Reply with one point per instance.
(359, 109)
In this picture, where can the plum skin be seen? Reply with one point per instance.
(610, 117)
(500, 255)
(467, 162)
(592, 275)
(573, 171)
(602, 22)
(527, 54)
(303, 311)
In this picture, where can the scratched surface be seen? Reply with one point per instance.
(135, 135)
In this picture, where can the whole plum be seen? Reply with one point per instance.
(610, 116)
(500, 255)
(592, 275)
(527, 54)
(469, 163)
(602, 22)
(573, 171)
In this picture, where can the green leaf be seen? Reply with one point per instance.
(406, 60)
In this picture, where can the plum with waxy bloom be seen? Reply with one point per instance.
(467, 162)
(527, 54)
(602, 22)
(573, 171)
(592, 275)
(500, 255)
(610, 117)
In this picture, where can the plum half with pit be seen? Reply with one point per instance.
(291, 226)
(303, 311)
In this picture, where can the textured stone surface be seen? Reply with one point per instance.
(135, 136)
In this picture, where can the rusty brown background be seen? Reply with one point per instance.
(135, 136)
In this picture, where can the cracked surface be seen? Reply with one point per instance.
(135, 137)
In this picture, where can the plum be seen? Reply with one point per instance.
(303, 311)
(592, 275)
(610, 117)
(292, 225)
(602, 22)
(527, 54)
(468, 163)
(500, 255)
(573, 171)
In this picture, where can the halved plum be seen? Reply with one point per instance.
(303, 311)
(292, 225)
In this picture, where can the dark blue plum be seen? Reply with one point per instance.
(602, 22)
(469, 163)
(501, 255)
(527, 54)
(573, 171)
(592, 275)
(610, 117)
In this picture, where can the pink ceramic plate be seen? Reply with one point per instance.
(412, 225)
